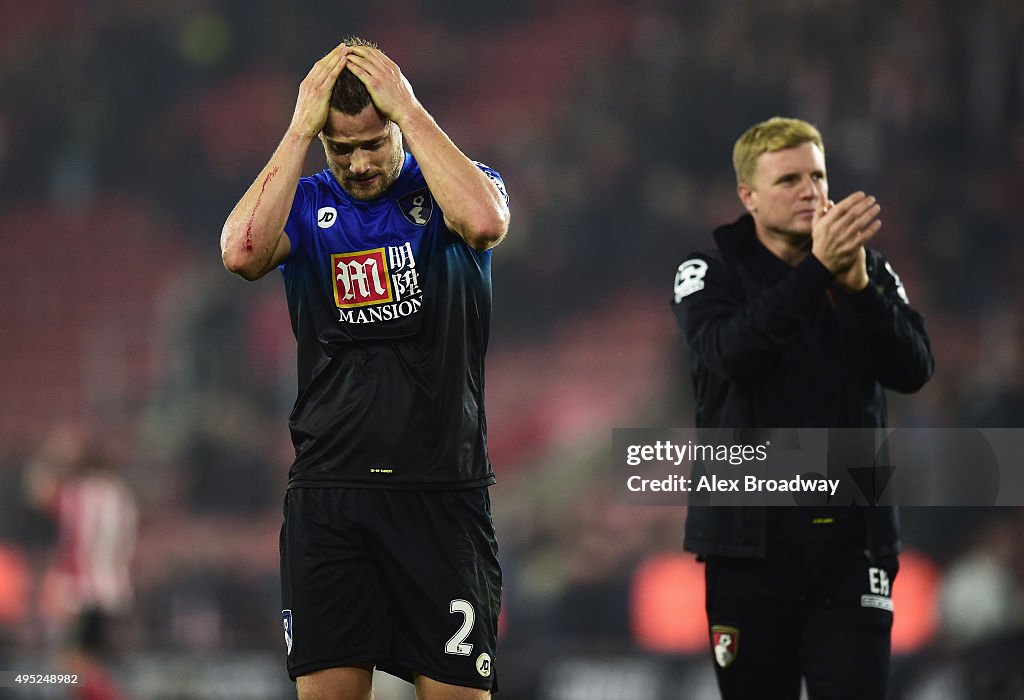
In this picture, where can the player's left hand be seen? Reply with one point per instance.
(388, 88)
(855, 277)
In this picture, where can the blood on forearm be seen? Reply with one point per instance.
(247, 244)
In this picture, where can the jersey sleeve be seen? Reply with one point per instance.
(297, 227)
(494, 177)
(899, 348)
(731, 335)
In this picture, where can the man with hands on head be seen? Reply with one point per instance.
(388, 553)
(792, 322)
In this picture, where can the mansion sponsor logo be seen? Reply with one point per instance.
(376, 285)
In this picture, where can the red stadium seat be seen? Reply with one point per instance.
(915, 602)
(667, 605)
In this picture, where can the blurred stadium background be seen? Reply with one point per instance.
(128, 128)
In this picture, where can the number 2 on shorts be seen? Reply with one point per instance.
(457, 645)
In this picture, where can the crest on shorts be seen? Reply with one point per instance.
(726, 643)
(483, 664)
(417, 206)
(286, 622)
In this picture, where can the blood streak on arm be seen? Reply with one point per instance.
(247, 246)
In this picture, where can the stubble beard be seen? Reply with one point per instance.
(797, 236)
(387, 178)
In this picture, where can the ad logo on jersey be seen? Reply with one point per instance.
(326, 216)
(483, 664)
(385, 280)
(726, 641)
(286, 621)
(361, 278)
(417, 206)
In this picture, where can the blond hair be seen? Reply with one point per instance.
(774, 134)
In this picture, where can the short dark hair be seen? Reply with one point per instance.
(349, 95)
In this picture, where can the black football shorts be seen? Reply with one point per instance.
(406, 581)
(818, 610)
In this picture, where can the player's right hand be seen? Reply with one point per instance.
(314, 99)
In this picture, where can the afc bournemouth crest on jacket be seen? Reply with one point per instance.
(726, 643)
(417, 206)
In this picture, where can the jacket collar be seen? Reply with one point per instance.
(738, 241)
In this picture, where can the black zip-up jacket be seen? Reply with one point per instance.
(775, 346)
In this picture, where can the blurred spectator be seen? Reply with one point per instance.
(87, 589)
(981, 631)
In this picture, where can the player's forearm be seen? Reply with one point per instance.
(899, 349)
(471, 203)
(251, 238)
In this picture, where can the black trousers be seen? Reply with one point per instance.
(815, 610)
